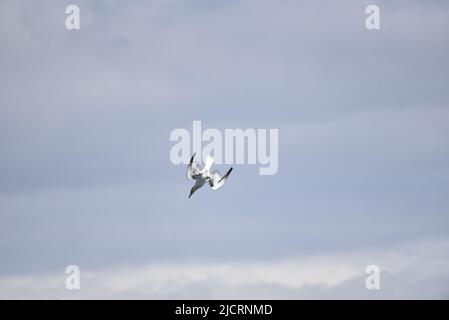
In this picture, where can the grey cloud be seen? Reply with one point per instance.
(85, 119)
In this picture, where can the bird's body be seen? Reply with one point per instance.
(204, 175)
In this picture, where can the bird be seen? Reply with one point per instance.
(204, 175)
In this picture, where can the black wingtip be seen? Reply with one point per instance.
(226, 175)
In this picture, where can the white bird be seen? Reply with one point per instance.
(201, 176)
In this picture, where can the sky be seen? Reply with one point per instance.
(85, 171)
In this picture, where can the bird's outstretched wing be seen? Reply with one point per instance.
(193, 169)
(208, 163)
(216, 180)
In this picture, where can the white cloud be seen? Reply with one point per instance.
(404, 273)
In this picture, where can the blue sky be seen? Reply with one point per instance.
(86, 178)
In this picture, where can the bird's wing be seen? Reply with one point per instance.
(217, 181)
(208, 163)
(193, 169)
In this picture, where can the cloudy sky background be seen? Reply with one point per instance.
(86, 178)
